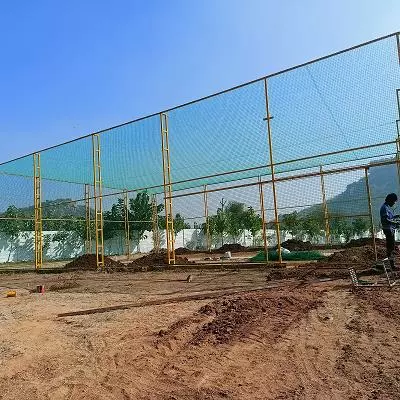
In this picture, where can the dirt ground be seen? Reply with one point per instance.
(290, 339)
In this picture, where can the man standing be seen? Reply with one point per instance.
(389, 225)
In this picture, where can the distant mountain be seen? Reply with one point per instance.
(58, 208)
(354, 200)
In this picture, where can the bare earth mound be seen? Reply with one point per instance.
(336, 266)
(183, 250)
(233, 248)
(88, 262)
(365, 242)
(357, 255)
(160, 258)
(297, 245)
(235, 318)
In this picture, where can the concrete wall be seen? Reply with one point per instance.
(21, 248)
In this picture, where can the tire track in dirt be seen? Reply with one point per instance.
(315, 347)
(231, 367)
(308, 342)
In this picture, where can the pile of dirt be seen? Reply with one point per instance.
(63, 285)
(88, 262)
(356, 255)
(235, 318)
(233, 248)
(183, 250)
(379, 301)
(160, 258)
(365, 242)
(297, 245)
(311, 273)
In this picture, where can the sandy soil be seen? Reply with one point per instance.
(300, 340)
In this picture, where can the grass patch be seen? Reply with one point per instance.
(292, 256)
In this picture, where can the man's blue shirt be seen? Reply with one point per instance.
(387, 218)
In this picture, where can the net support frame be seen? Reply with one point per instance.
(98, 201)
(398, 135)
(155, 227)
(271, 159)
(126, 225)
(37, 200)
(167, 183)
(398, 45)
(207, 219)
(88, 240)
(263, 219)
(371, 217)
(325, 207)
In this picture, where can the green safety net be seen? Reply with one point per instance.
(319, 111)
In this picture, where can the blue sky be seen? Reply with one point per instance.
(69, 68)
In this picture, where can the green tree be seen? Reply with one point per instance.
(12, 226)
(220, 224)
(235, 218)
(141, 216)
(113, 220)
(179, 224)
(211, 229)
(292, 223)
(76, 226)
(313, 224)
(217, 226)
(253, 223)
(360, 226)
(340, 227)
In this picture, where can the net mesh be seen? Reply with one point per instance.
(336, 113)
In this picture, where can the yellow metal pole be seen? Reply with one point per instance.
(398, 134)
(207, 221)
(126, 226)
(398, 160)
(156, 231)
(88, 241)
(398, 113)
(37, 194)
(371, 217)
(271, 158)
(398, 45)
(98, 201)
(325, 206)
(264, 222)
(183, 232)
(169, 218)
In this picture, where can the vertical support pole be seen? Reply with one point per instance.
(207, 220)
(126, 225)
(264, 222)
(156, 231)
(398, 111)
(37, 200)
(371, 217)
(88, 241)
(398, 160)
(183, 233)
(98, 200)
(222, 202)
(325, 206)
(398, 128)
(169, 218)
(271, 160)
